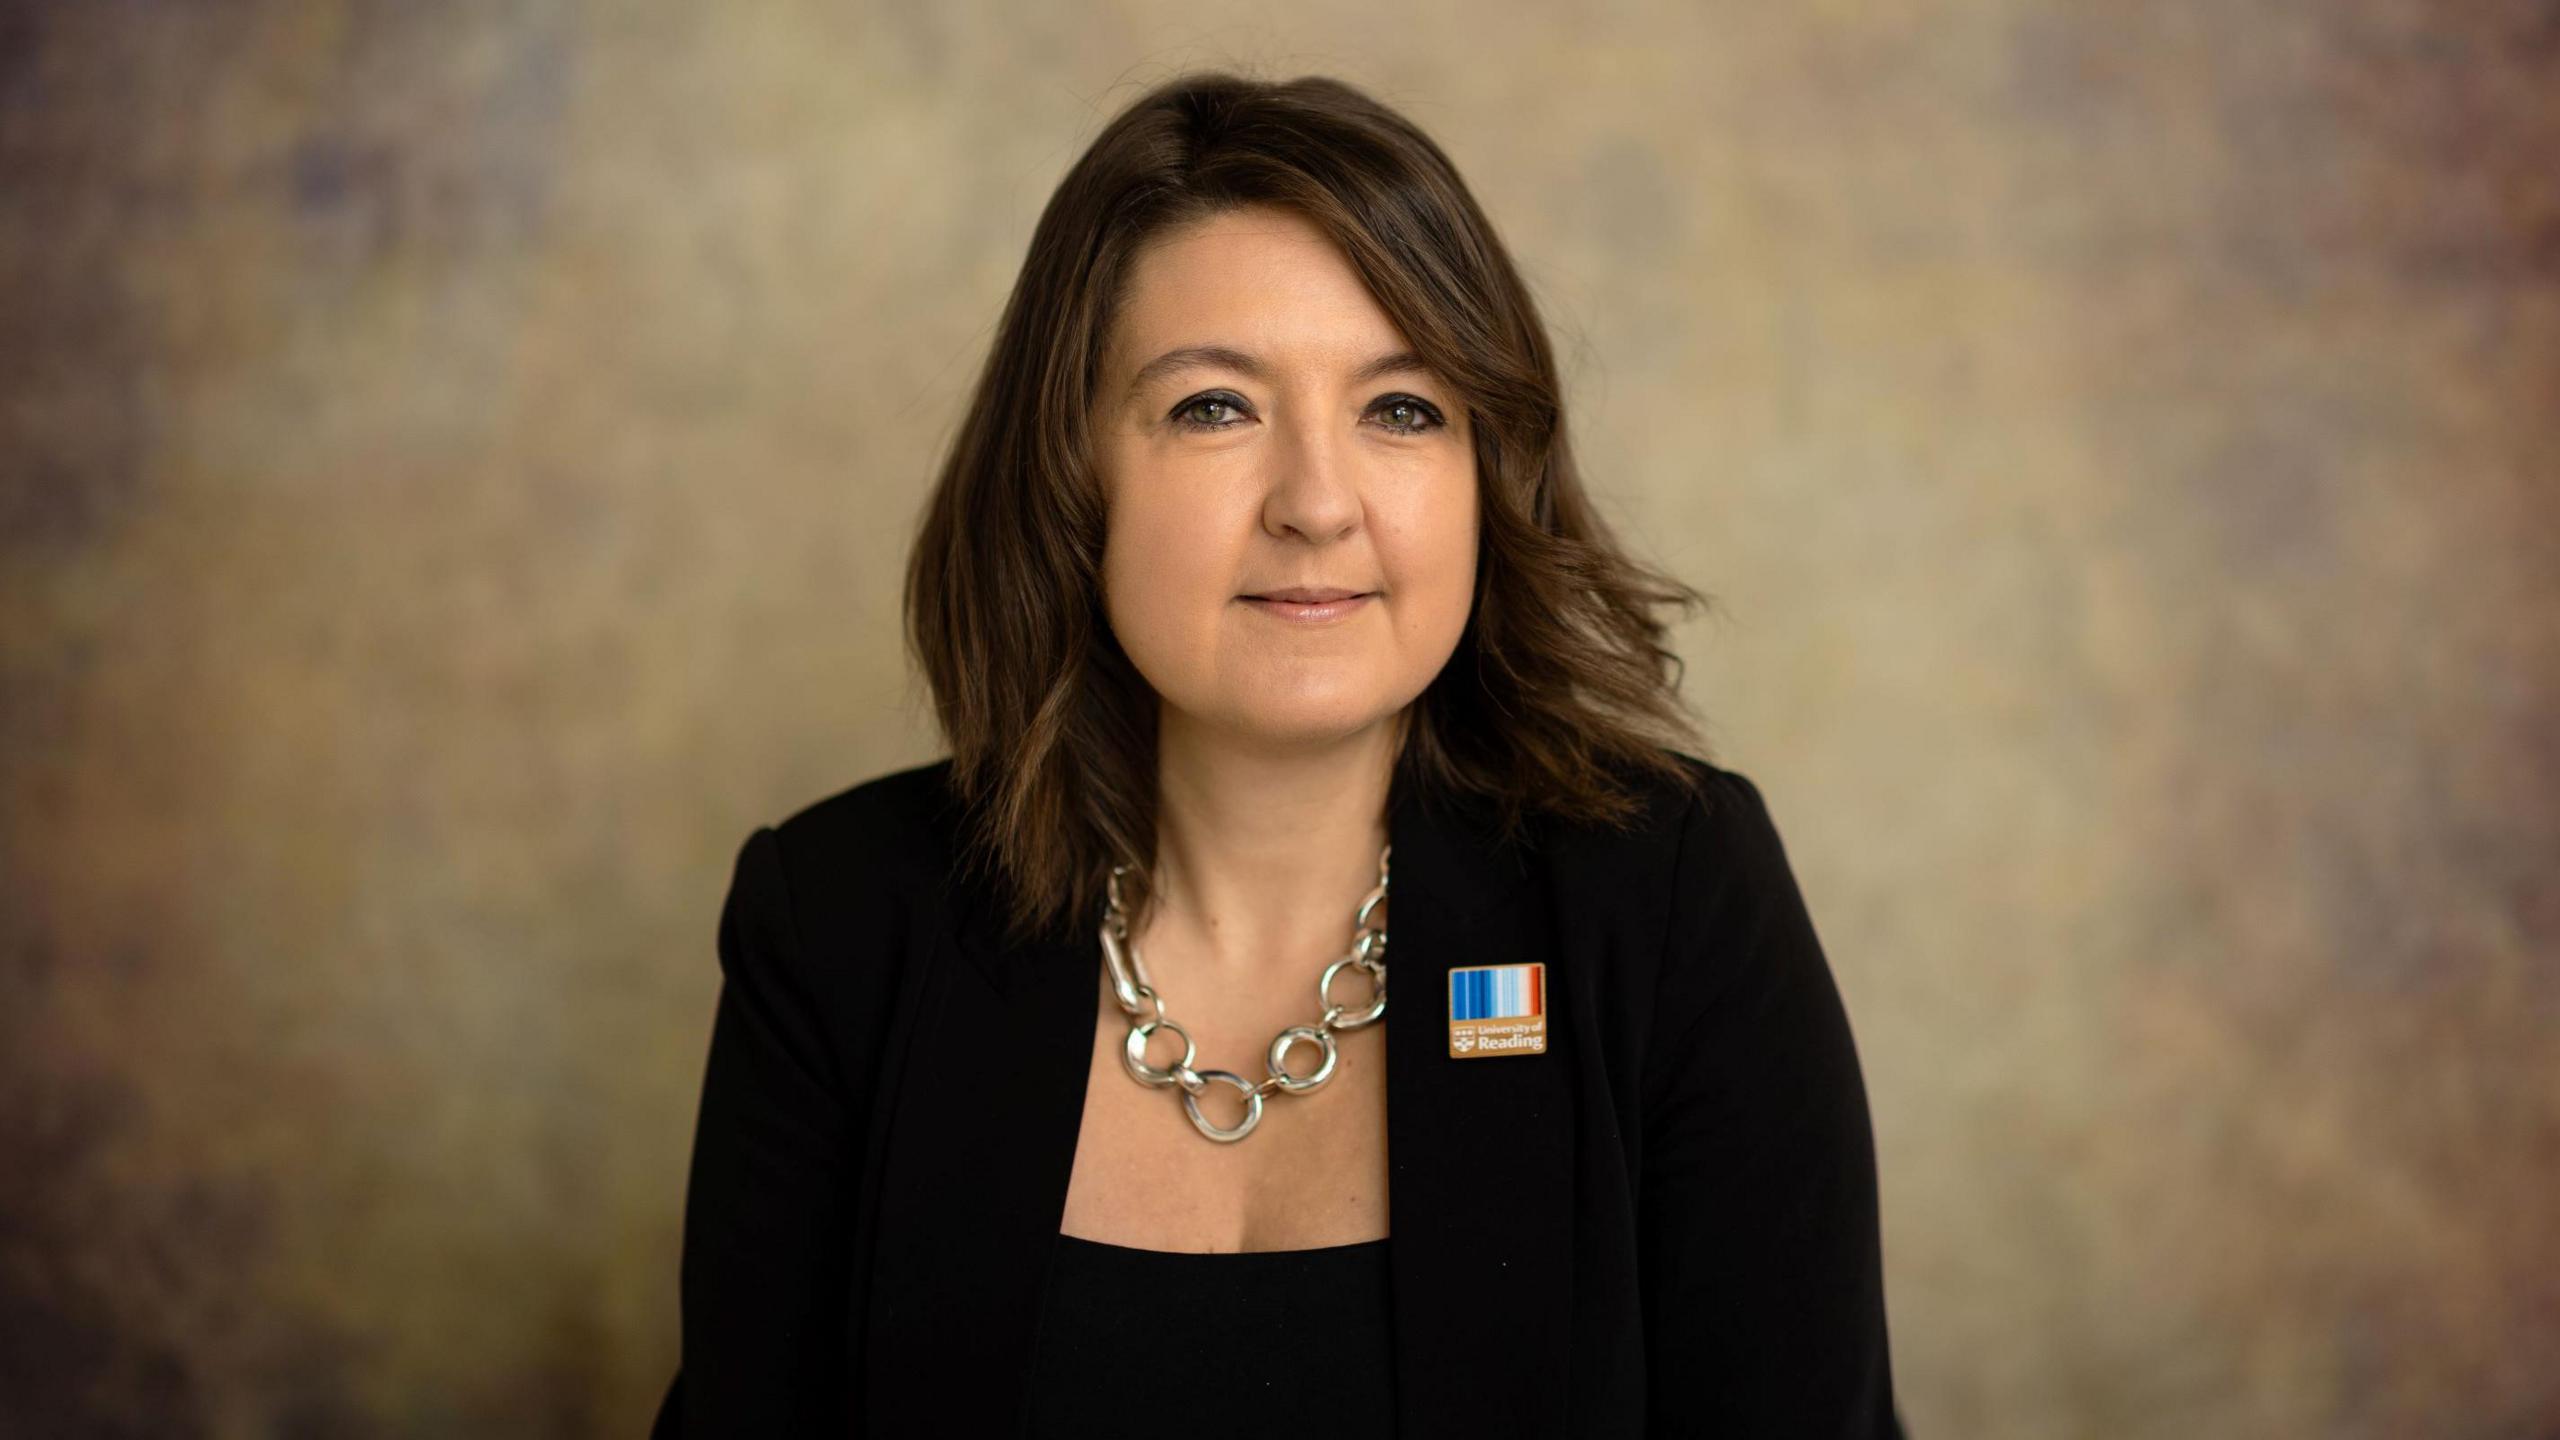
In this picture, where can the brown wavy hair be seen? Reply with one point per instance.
(1561, 696)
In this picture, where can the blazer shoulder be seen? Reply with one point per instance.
(855, 858)
(1722, 829)
(1716, 805)
(1739, 923)
(1693, 879)
(1728, 806)
(901, 820)
(1687, 833)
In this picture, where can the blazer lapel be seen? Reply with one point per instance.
(1479, 1154)
(1479, 1150)
(975, 1176)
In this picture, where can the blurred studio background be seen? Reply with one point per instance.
(456, 462)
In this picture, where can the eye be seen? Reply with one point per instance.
(1408, 414)
(1224, 405)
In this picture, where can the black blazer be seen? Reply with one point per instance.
(1664, 1225)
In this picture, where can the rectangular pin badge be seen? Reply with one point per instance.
(1498, 1010)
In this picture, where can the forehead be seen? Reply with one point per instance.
(1260, 278)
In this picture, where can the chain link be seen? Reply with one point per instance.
(1133, 989)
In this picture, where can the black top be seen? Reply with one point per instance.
(1244, 1343)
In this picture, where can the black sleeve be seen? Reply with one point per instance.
(1762, 1261)
(763, 1277)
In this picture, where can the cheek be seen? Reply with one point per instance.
(1165, 569)
(1433, 562)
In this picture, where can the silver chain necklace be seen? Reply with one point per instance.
(1132, 987)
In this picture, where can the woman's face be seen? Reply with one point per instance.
(1262, 429)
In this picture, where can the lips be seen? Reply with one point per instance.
(1317, 605)
(1302, 595)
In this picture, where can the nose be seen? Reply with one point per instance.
(1313, 492)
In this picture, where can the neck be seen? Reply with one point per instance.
(1262, 851)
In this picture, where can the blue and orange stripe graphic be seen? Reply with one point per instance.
(1497, 992)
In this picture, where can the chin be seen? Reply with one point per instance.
(1304, 722)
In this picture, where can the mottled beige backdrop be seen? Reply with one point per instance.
(456, 462)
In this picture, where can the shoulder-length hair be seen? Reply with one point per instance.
(1560, 698)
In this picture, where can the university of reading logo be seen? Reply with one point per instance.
(1497, 1010)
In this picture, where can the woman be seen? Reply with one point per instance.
(1051, 1087)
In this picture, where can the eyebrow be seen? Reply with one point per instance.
(1190, 356)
